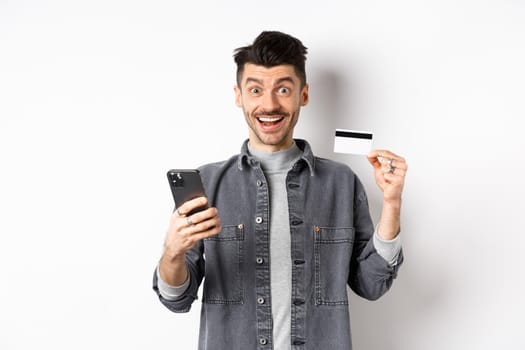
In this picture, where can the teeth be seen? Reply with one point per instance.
(269, 120)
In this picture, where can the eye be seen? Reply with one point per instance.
(255, 90)
(284, 90)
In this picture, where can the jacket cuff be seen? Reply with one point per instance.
(169, 292)
(388, 249)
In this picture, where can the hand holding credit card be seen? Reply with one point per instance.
(352, 141)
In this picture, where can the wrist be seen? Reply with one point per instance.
(172, 258)
(390, 226)
(392, 203)
(173, 271)
(388, 233)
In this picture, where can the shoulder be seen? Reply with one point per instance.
(325, 166)
(340, 175)
(212, 170)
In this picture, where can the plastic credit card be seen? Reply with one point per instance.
(352, 141)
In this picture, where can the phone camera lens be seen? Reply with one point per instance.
(177, 180)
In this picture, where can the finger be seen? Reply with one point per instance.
(178, 223)
(393, 162)
(189, 221)
(397, 163)
(392, 166)
(384, 153)
(196, 223)
(394, 180)
(387, 162)
(393, 170)
(382, 156)
(191, 205)
(373, 159)
(373, 153)
(207, 225)
(204, 215)
(182, 236)
(379, 157)
(379, 154)
(206, 234)
(195, 233)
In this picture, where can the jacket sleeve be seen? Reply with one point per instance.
(371, 275)
(195, 264)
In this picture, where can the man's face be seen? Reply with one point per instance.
(271, 99)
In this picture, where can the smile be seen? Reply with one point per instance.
(269, 119)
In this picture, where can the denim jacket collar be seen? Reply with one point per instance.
(307, 157)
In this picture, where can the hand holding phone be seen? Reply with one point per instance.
(186, 228)
(186, 184)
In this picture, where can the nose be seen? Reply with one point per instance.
(270, 102)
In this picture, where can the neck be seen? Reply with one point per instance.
(255, 143)
(281, 160)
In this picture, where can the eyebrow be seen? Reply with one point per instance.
(279, 81)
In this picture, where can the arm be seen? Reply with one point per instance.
(183, 233)
(389, 250)
(389, 171)
(373, 274)
(171, 292)
(182, 257)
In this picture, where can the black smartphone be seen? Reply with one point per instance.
(186, 184)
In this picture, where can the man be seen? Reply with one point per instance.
(294, 229)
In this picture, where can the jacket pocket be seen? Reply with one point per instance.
(223, 255)
(333, 251)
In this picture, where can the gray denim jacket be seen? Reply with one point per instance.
(332, 247)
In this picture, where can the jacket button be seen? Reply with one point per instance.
(263, 341)
(259, 261)
(260, 300)
(258, 219)
(259, 183)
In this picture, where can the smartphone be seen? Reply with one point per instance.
(186, 184)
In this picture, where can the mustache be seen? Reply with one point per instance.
(276, 112)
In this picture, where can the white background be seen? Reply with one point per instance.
(99, 98)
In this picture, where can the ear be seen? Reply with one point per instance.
(238, 96)
(304, 95)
